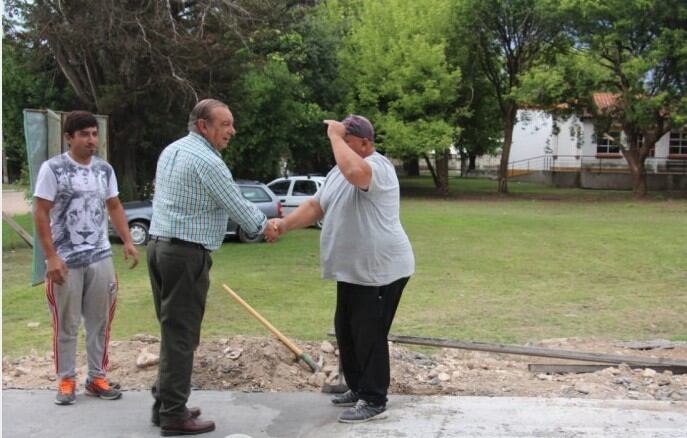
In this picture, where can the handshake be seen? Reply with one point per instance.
(275, 228)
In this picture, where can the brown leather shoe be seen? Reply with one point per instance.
(190, 426)
(192, 412)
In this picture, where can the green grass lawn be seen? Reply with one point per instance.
(540, 263)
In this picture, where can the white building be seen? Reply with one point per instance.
(542, 145)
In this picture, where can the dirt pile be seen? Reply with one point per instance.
(263, 364)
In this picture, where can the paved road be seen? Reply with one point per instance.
(14, 202)
(32, 414)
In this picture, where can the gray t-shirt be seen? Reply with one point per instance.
(362, 240)
(78, 218)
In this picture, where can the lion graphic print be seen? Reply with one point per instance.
(78, 218)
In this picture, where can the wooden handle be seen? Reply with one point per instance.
(286, 341)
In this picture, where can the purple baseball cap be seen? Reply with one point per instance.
(359, 126)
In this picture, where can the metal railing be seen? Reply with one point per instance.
(592, 163)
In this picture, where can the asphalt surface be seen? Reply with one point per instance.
(32, 413)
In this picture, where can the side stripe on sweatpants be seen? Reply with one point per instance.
(106, 348)
(50, 295)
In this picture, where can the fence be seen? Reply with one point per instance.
(592, 163)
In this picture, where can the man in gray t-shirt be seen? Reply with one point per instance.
(364, 248)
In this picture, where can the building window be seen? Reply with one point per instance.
(678, 143)
(608, 143)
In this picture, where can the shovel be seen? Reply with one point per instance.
(339, 387)
(286, 341)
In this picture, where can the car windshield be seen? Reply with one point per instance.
(255, 194)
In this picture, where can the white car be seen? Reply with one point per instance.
(292, 191)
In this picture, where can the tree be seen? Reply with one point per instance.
(129, 59)
(394, 61)
(315, 59)
(302, 73)
(146, 63)
(639, 49)
(509, 38)
(480, 132)
(26, 83)
(477, 110)
(270, 117)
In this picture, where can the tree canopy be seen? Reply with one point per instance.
(511, 37)
(396, 65)
(146, 64)
(636, 50)
(430, 74)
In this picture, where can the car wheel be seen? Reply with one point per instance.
(245, 238)
(139, 232)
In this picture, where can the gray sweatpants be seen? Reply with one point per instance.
(91, 292)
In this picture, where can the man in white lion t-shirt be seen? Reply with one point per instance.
(74, 193)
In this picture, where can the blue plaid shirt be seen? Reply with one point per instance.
(195, 195)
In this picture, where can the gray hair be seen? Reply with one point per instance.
(203, 110)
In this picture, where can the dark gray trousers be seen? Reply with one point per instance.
(179, 277)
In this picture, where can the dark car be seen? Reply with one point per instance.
(139, 213)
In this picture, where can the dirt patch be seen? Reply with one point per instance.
(263, 364)
(15, 202)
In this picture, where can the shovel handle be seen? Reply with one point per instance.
(286, 341)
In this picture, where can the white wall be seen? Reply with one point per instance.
(533, 137)
(589, 145)
(663, 146)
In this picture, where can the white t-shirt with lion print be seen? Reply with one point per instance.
(78, 219)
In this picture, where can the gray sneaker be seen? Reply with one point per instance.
(345, 400)
(100, 387)
(363, 412)
(66, 391)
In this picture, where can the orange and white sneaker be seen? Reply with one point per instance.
(66, 391)
(100, 387)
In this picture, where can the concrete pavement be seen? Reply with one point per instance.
(32, 413)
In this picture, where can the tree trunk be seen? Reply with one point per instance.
(473, 162)
(639, 189)
(442, 159)
(412, 166)
(638, 170)
(464, 169)
(123, 158)
(508, 124)
(431, 169)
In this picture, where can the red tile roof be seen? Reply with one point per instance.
(604, 101)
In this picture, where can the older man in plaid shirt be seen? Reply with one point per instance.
(195, 195)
